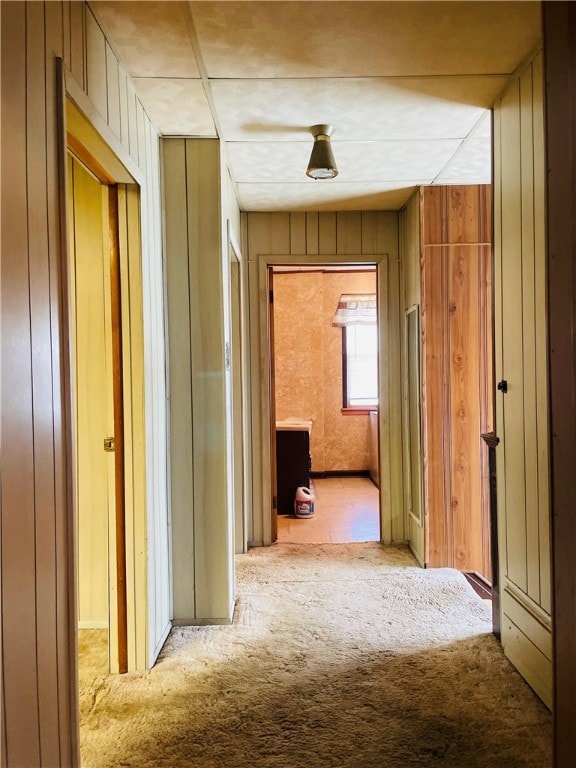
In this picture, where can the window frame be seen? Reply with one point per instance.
(354, 410)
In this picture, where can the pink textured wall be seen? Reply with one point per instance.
(308, 364)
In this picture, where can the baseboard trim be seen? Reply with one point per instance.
(341, 473)
(479, 584)
(200, 622)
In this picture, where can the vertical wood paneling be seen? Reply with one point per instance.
(392, 304)
(327, 233)
(349, 232)
(179, 355)
(42, 380)
(18, 530)
(409, 231)
(529, 332)
(194, 230)
(464, 375)
(113, 91)
(298, 233)
(513, 401)
(65, 602)
(213, 579)
(457, 345)
(541, 341)
(66, 35)
(77, 33)
(521, 359)
(40, 711)
(433, 365)
(123, 105)
(132, 121)
(560, 113)
(312, 233)
(96, 65)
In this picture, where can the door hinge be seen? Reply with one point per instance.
(109, 444)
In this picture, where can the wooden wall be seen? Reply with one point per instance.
(38, 603)
(521, 360)
(308, 365)
(311, 238)
(202, 535)
(560, 115)
(456, 373)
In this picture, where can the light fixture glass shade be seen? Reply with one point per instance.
(322, 164)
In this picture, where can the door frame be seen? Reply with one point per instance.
(241, 448)
(111, 369)
(380, 261)
(83, 132)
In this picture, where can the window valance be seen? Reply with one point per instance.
(356, 309)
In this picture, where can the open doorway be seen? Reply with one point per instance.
(107, 365)
(324, 388)
(98, 421)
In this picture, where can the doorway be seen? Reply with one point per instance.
(108, 423)
(98, 415)
(316, 428)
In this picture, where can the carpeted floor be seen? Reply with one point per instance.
(339, 655)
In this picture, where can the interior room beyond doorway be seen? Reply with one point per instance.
(311, 377)
(346, 509)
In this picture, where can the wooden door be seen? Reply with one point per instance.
(521, 369)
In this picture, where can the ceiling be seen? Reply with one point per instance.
(406, 85)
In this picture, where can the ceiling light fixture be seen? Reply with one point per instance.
(322, 164)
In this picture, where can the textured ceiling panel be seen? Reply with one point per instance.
(358, 161)
(351, 39)
(176, 107)
(402, 108)
(150, 38)
(324, 196)
(471, 165)
(407, 85)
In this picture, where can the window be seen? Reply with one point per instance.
(360, 366)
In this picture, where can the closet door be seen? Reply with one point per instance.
(521, 373)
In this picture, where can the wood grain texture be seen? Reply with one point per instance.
(18, 504)
(179, 356)
(40, 703)
(434, 443)
(457, 371)
(560, 113)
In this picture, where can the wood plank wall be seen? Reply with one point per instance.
(202, 541)
(560, 100)
(456, 226)
(521, 360)
(333, 234)
(38, 615)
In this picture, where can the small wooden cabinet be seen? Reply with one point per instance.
(292, 464)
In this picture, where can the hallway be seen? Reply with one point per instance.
(339, 655)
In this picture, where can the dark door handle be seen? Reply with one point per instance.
(502, 386)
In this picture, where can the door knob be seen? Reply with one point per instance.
(502, 386)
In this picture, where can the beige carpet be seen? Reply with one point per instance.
(340, 655)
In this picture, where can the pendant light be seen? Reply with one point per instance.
(322, 164)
